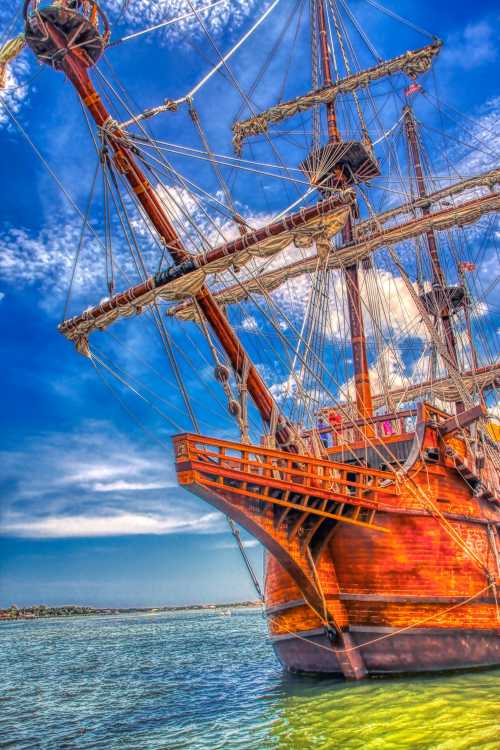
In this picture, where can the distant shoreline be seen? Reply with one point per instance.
(38, 612)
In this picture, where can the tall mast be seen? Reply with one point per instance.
(74, 63)
(358, 339)
(439, 285)
(333, 131)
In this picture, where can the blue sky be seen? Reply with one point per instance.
(90, 508)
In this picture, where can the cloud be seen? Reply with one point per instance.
(141, 14)
(15, 88)
(471, 47)
(120, 524)
(44, 258)
(249, 323)
(384, 296)
(483, 135)
(80, 489)
(231, 544)
(123, 486)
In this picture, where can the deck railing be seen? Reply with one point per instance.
(267, 468)
(348, 432)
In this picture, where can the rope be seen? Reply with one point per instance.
(415, 624)
(401, 19)
(172, 105)
(159, 25)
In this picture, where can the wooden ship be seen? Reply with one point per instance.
(376, 499)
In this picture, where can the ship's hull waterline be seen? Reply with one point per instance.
(467, 637)
(417, 651)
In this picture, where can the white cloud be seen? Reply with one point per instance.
(80, 490)
(123, 486)
(141, 14)
(15, 88)
(388, 370)
(483, 135)
(475, 45)
(385, 299)
(122, 524)
(46, 257)
(231, 544)
(249, 323)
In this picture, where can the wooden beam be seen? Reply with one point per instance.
(459, 421)
(200, 479)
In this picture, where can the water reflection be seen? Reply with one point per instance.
(438, 712)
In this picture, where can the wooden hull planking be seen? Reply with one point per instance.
(408, 577)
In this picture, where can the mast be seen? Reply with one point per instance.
(333, 131)
(356, 323)
(438, 278)
(74, 62)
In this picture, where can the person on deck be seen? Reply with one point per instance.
(335, 421)
(387, 427)
(322, 427)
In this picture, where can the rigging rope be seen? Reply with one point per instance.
(172, 105)
(161, 25)
(401, 19)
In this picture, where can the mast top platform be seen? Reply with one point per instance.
(80, 26)
(348, 162)
(444, 298)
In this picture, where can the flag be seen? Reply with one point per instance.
(466, 265)
(414, 88)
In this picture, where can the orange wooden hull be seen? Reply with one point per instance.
(400, 593)
(409, 577)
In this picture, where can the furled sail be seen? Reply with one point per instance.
(411, 63)
(444, 388)
(486, 179)
(371, 237)
(314, 224)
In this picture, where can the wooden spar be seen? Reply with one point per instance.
(458, 215)
(357, 329)
(353, 290)
(287, 223)
(479, 374)
(99, 316)
(410, 63)
(364, 404)
(74, 64)
(438, 278)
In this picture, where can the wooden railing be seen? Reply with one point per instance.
(267, 468)
(349, 432)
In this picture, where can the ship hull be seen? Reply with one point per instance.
(420, 650)
(410, 585)
(413, 598)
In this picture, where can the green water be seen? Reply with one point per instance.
(209, 681)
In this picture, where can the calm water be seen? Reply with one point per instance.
(208, 681)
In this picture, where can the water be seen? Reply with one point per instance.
(205, 681)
